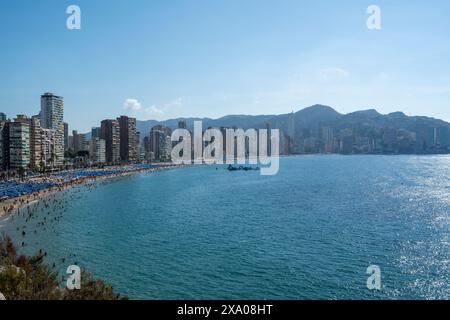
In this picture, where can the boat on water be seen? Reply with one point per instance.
(242, 168)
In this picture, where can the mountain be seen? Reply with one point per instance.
(366, 130)
(307, 118)
(239, 121)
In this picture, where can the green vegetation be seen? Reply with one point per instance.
(29, 278)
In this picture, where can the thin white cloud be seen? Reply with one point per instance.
(132, 104)
(137, 109)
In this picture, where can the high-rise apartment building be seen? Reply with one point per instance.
(148, 155)
(79, 142)
(96, 132)
(182, 124)
(4, 145)
(269, 141)
(327, 139)
(25, 144)
(110, 132)
(66, 136)
(128, 139)
(160, 147)
(97, 150)
(35, 141)
(442, 137)
(47, 147)
(52, 117)
(19, 145)
(34, 124)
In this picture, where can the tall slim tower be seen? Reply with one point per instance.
(291, 133)
(128, 139)
(4, 145)
(19, 148)
(159, 144)
(110, 132)
(182, 124)
(291, 125)
(52, 117)
(66, 136)
(34, 124)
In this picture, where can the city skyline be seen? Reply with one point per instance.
(224, 158)
(96, 126)
(184, 60)
(37, 141)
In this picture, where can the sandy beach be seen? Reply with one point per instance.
(8, 206)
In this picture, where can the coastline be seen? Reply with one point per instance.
(8, 206)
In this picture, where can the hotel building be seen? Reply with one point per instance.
(19, 144)
(110, 132)
(47, 147)
(160, 143)
(52, 115)
(66, 136)
(4, 145)
(97, 150)
(128, 139)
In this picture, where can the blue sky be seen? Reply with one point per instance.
(165, 59)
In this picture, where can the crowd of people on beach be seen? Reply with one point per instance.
(33, 217)
(44, 204)
(15, 194)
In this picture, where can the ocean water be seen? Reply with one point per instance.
(309, 232)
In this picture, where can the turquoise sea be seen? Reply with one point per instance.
(309, 232)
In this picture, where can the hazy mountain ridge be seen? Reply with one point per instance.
(307, 118)
(240, 121)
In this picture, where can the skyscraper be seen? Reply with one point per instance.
(146, 143)
(96, 132)
(182, 124)
(47, 147)
(2, 116)
(52, 117)
(97, 150)
(19, 144)
(66, 136)
(34, 124)
(111, 134)
(36, 141)
(128, 139)
(160, 143)
(327, 139)
(4, 145)
(269, 142)
(291, 125)
(79, 142)
(442, 139)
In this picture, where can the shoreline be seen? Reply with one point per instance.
(9, 206)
